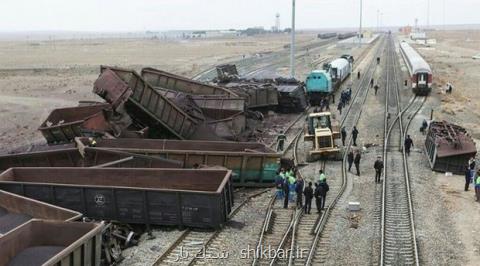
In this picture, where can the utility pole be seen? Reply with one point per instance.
(378, 19)
(428, 13)
(292, 44)
(360, 30)
(444, 15)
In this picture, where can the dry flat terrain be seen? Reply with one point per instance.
(38, 76)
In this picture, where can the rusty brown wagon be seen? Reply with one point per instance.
(194, 198)
(146, 106)
(165, 80)
(40, 242)
(16, 210)
(64, 124)
(86, 157)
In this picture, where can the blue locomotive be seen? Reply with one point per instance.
(323, 83)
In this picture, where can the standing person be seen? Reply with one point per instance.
(375, 88)
(408, 144)
(344, 135)
(468, 177)
(349, 95)
(371, 83)
(281, 138)
(291, 185)
(318, 201)
(424, 127)
(356, 161)
(299, 190)
(322, 176)
(471, 163)
(350, 157)
(324, 188)
(279, 180)
(477, 185)
(378, 166)
(308, 192)
(327, 104)
(286, 192)
(339, 107)
(358, 75)
(354, 135)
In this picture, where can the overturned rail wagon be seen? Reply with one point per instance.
(150, 108)
(41, 242)
(449, 147)
(16, 210)
(64, 124)
(165, 80)
(253, 164)
(194, 198)
(86, 157)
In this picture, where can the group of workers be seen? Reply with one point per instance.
(324, 105)
(472, 176)
(291, 185)
(343, 134)
(345, 97)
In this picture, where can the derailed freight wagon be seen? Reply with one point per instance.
(193, 198)
(253, 164)
(291, 95)
(150, 108)
(64, 124)
(449, 147)
(16, 210)
(57, 243)
(86, 157)
(164, 80)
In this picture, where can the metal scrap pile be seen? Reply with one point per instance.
(449, 147)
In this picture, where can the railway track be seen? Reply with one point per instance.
(249, 66)
(293, 230)
(398, 237)
(192, 245)
(318, 250)
(196, 244)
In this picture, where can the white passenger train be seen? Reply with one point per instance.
(420, 72)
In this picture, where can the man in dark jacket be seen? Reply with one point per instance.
(350, 157)
(356, 161)
(468, 177)
(286, 192)
(344, 135)
(308, 192)
(354, 135)
(321, 194)
(408, 144)
(299, 183)
(339, 107)
(378, 166)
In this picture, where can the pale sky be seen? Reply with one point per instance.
(140, 15)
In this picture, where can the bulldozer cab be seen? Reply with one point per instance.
(319, 121)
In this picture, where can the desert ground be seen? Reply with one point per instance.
(38, 76)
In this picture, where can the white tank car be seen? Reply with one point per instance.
(339, 70)
(419, 70)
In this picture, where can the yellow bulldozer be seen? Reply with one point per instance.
(323, 132)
